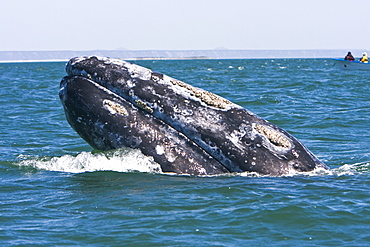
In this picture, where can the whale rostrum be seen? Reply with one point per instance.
(187, 130)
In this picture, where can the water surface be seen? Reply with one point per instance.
(57, 190)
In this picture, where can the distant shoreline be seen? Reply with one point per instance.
(129, 59)
(63, 56)
(33, 61)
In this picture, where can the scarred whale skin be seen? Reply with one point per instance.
(107, 121)
(229, 137)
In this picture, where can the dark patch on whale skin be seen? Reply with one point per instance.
(237, 138)
(106, 121)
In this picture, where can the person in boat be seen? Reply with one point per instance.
(349, 57)
(364, 58)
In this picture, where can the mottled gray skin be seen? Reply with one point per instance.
(235, 137)
(107, 121)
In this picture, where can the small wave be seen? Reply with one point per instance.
(344, 170)
(352, 169)
(120, 160)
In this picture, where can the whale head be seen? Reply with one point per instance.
(113, 103)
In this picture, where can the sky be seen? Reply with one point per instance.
(80, 25)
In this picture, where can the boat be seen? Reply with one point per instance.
(346, 64)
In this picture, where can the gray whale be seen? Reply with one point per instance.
(112, 103)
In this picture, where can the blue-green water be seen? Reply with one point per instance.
(55, 190)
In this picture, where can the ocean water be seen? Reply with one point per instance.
(56, 190)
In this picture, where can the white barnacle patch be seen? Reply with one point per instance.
(206, 97)
(143, 106)
(273, 139)
(137, 71)
(114, 107)
(295, 153)
(171, 157)
(159, 149)
(130, 84)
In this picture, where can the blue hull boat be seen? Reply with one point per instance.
(346, 64)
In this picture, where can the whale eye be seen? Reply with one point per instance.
(275, 137)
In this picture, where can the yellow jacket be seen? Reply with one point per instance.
(364, 59)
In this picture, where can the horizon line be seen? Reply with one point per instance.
(215, 49)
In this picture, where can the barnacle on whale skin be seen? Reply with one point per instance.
(273, 136)
(209, 98)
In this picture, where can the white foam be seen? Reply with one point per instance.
(121, 160)
(352, 169)
(344, 170)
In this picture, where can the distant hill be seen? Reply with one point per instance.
(172, 54)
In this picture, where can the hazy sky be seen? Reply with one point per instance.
(184, 24)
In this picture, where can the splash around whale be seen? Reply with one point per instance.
(112, 103)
